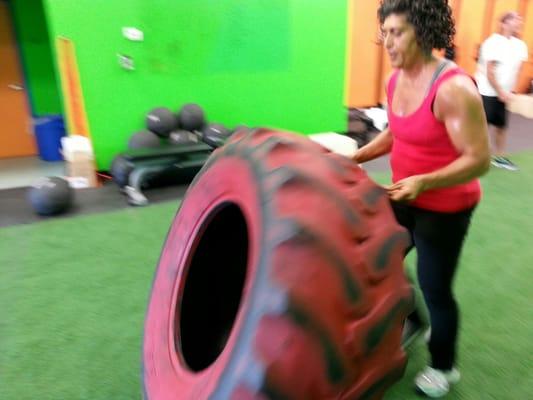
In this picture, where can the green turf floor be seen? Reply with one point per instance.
(73, 294)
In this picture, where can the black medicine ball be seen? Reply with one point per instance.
(50, 196)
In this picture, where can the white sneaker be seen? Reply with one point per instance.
(505, 163)
(427, 335)
(436, 383)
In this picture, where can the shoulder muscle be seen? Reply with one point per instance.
(457, 94)
(458, 105)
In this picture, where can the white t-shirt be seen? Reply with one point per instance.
(508, 54)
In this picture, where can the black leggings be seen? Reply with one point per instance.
(438, 239)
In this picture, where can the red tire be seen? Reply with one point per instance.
(281, 278)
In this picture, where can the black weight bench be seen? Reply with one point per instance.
(136, 170)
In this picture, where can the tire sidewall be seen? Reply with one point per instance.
(230, 179)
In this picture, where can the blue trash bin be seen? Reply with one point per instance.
(48, 133)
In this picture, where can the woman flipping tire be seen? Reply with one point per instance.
(281, 278)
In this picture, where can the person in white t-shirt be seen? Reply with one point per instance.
(500, 59)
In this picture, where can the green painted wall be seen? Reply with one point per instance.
(36, 54)
(276, 63)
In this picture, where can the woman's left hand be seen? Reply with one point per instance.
(407, 189)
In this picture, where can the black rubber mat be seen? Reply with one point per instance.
(16, 210)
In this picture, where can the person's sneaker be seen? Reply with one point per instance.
(503, 162)
(436, 383)
(427, 335)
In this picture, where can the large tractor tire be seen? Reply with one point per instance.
(281, 278)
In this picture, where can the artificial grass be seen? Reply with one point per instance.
(73, 295)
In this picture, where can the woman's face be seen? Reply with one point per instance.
(399, 40)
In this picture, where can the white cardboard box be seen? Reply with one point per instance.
(80, 170)
(340, 144)
(521, 104)
(79, 161)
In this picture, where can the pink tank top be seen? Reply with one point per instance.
(421, 145)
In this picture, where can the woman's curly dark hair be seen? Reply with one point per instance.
(432, 19)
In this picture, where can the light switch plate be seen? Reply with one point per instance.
(133, 34)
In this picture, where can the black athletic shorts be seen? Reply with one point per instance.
(495, 111)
